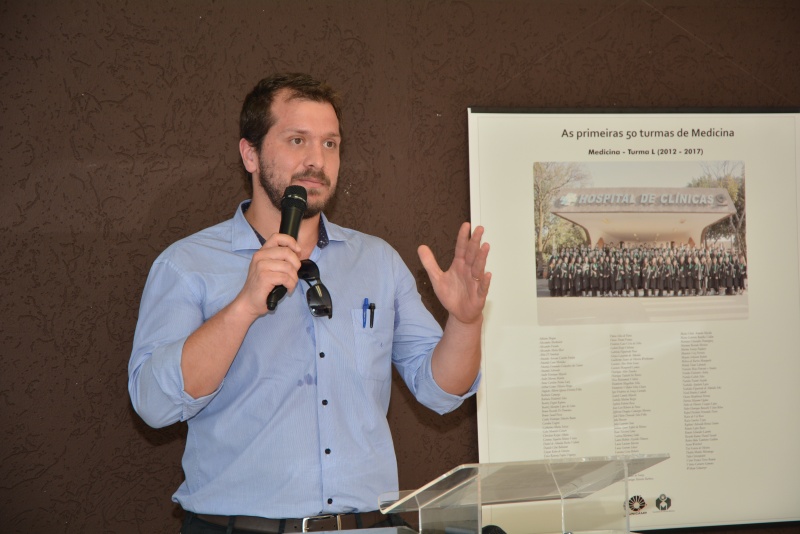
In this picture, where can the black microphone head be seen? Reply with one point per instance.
(294, 197)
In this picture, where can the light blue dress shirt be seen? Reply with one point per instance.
(298, 427)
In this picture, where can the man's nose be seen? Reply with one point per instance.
(314, 157)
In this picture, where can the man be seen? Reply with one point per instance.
(287, 410)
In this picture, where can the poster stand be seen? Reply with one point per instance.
(453, 503)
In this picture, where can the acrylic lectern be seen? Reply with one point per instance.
(453, 503)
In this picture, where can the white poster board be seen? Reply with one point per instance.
(711, 379)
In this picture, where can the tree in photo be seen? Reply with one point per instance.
(550, 179)
(729, 175)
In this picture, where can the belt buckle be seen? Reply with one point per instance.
(306, 521)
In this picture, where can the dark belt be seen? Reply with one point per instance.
(318, 523)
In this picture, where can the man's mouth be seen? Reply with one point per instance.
(317, 179)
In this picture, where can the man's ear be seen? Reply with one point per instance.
(249, 156)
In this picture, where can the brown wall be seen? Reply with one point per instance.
(118, 136)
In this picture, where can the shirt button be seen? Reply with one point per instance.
(325, 402)
(327, 451)
(321, 354)
(330, 501)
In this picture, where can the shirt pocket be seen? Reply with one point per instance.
(373, 343)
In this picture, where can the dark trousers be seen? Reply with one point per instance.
(194, 525)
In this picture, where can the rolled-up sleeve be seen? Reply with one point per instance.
(431, 395)
(170, 311)
(416, 335)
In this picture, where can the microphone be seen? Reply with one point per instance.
(293, 206)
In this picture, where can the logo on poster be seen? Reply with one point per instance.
(637, 504)
(663, 503)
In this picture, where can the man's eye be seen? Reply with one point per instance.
(296, 141)
(330, 144)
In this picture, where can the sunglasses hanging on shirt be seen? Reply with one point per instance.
(317, 296)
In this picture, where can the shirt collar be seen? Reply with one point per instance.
(246, 237)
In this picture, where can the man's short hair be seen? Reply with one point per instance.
(256, 117)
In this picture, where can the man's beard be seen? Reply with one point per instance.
(266, 179)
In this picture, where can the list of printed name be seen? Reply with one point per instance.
(631, 373)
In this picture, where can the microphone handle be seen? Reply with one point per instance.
(290, 221)
(293, 206)
(290, 225)
(274, 296)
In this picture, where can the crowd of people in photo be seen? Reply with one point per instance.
(646, 271)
